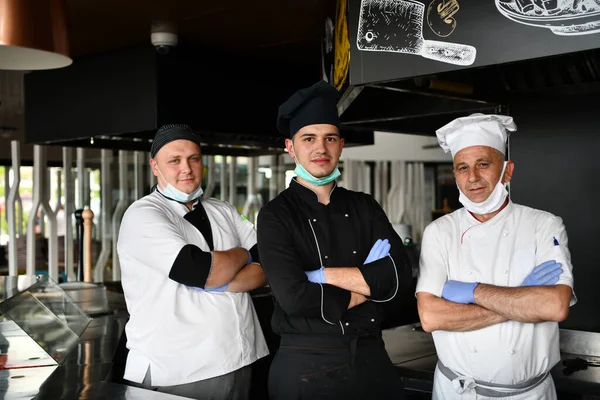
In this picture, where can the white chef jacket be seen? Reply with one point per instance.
(183, 334)
(501, 252)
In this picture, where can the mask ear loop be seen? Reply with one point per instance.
(503, 172)
(161, 175)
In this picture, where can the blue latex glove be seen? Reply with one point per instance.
(316, 276)
(380, 249)
(217, 289)
(545, 274)
(249, 257)
(460, 292)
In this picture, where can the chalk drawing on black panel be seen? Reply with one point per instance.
(396, 26)
(562, 17)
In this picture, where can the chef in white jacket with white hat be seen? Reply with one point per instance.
(495, 277)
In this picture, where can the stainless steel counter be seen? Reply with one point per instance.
(413, 353)
(31, 373)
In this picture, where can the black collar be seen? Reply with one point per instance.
(307, 194)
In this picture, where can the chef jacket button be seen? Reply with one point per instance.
(346, 215)
(326, 257)
(474, 350)
(506, 271)
(347, 323)
(512, 352)
(470, 273)
(372, 319)
(353, 251)
(314, 220)
(504, 233)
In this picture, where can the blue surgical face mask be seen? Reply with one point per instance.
(301, 172)
(175, 194)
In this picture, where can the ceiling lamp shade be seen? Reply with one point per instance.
(33, 35)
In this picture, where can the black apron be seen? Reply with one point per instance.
(333, 367)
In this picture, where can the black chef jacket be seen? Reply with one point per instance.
(296, 233)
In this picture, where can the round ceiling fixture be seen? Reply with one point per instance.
(33, 35)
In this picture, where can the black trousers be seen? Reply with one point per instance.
(318, 367)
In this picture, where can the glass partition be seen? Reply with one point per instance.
(43, 322)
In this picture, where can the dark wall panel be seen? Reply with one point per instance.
(556, 153)
(97, 95)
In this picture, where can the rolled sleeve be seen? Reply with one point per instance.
(432, 264)
(297, 296)
(390, 275)
(192, 266)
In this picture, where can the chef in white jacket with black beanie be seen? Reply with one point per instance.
(495, 277)
(187, 264)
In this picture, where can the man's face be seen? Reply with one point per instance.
(477, 171)
(317, 148)
(180, 164)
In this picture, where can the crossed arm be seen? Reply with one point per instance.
(538, 299)
(494, 304)
(230, 268)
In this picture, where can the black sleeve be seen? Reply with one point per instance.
(297, 296)
(254, 254)
(192, 266)
(390, 275)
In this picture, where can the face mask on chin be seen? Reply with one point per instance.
(489, 205)
(301, 172)
(173, 193)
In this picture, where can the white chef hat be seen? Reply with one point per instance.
(476, 130)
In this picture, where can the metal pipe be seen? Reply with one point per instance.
(273, 181)
(58, 189)
(281, 172)
(40, 197)
(13, 194)
(138, 167)
(409, 191)
(52, 222)
(69, 208)
(210, 177)
(79, 225)
(42, 222)
(151, 177)
(232, 181)
(86, 188)
(366, 178)
(6, 187)
(253, 203)
(118, 214)
(360, 176)
(223, 181)
(80, 200)
(378, 181)
(106, 208)
(385, 183)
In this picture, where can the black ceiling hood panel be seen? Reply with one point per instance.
(415, 65)
(422, 104)
(118, 100)
(393, 109)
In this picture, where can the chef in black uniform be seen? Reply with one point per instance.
(331, 258)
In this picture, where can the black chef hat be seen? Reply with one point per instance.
(168, 133)
(313, 105)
